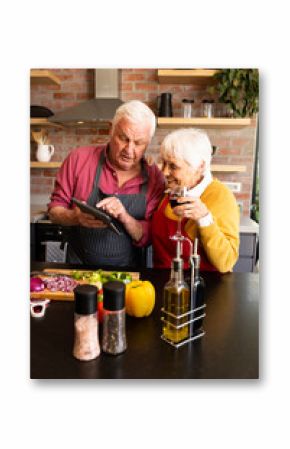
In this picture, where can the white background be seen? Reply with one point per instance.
(220, 414)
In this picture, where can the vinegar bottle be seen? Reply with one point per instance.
(198, 289)
(176, 301)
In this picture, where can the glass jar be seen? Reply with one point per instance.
(207, 108)
(114, 326)
(187, 108)
(86, 337)
(229, 112)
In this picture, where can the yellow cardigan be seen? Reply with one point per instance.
(220, 240)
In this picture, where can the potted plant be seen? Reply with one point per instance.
(239, 88)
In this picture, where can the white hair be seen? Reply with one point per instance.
(190, 144)
(137, 112)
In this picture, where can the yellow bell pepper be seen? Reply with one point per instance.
(140, 298)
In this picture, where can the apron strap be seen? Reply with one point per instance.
(144, 174)
(94, 195)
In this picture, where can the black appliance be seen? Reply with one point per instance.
(46, 242)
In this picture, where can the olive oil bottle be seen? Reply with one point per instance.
(176, 302)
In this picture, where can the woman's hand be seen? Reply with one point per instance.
(193, 208)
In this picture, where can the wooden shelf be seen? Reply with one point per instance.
(228, 168)
(214, 167)
(43, 122)
(35, 164)
(43, 77)
(202, 122)
(194, 76)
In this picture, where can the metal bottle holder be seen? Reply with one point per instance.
(192, 315)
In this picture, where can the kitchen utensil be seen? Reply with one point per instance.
(37, 308)
(40, 137)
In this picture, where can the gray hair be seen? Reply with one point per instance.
(137, 112)
(190, 144)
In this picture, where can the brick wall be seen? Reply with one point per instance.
(236, 146)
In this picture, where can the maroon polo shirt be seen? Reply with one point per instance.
(76, 178)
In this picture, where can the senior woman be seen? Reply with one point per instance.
(211, 212)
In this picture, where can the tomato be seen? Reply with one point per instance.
(100, 306)
(100, 311)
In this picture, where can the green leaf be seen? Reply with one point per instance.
(241, 88)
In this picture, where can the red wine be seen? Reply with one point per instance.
(174, 203)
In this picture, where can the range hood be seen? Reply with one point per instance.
(99, 110)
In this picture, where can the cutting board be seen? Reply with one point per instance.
(67, 296)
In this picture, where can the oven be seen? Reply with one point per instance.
(46, 243)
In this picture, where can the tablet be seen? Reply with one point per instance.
(97, 213)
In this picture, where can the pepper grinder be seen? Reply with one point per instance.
(114, 332)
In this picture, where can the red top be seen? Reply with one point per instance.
(76, 178)
(164, 249)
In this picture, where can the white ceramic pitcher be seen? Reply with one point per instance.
(44, 152)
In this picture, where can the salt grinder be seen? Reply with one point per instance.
(86, 342)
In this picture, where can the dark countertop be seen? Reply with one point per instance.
(229, 349)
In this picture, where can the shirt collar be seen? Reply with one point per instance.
(198, 190)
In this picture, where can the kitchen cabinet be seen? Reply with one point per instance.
(249, 238)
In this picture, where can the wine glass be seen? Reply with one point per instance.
(173, 197)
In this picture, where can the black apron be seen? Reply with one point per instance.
(103, 246)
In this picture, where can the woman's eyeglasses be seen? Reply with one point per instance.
(37, 308)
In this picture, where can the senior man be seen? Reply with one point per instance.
(116, 178)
